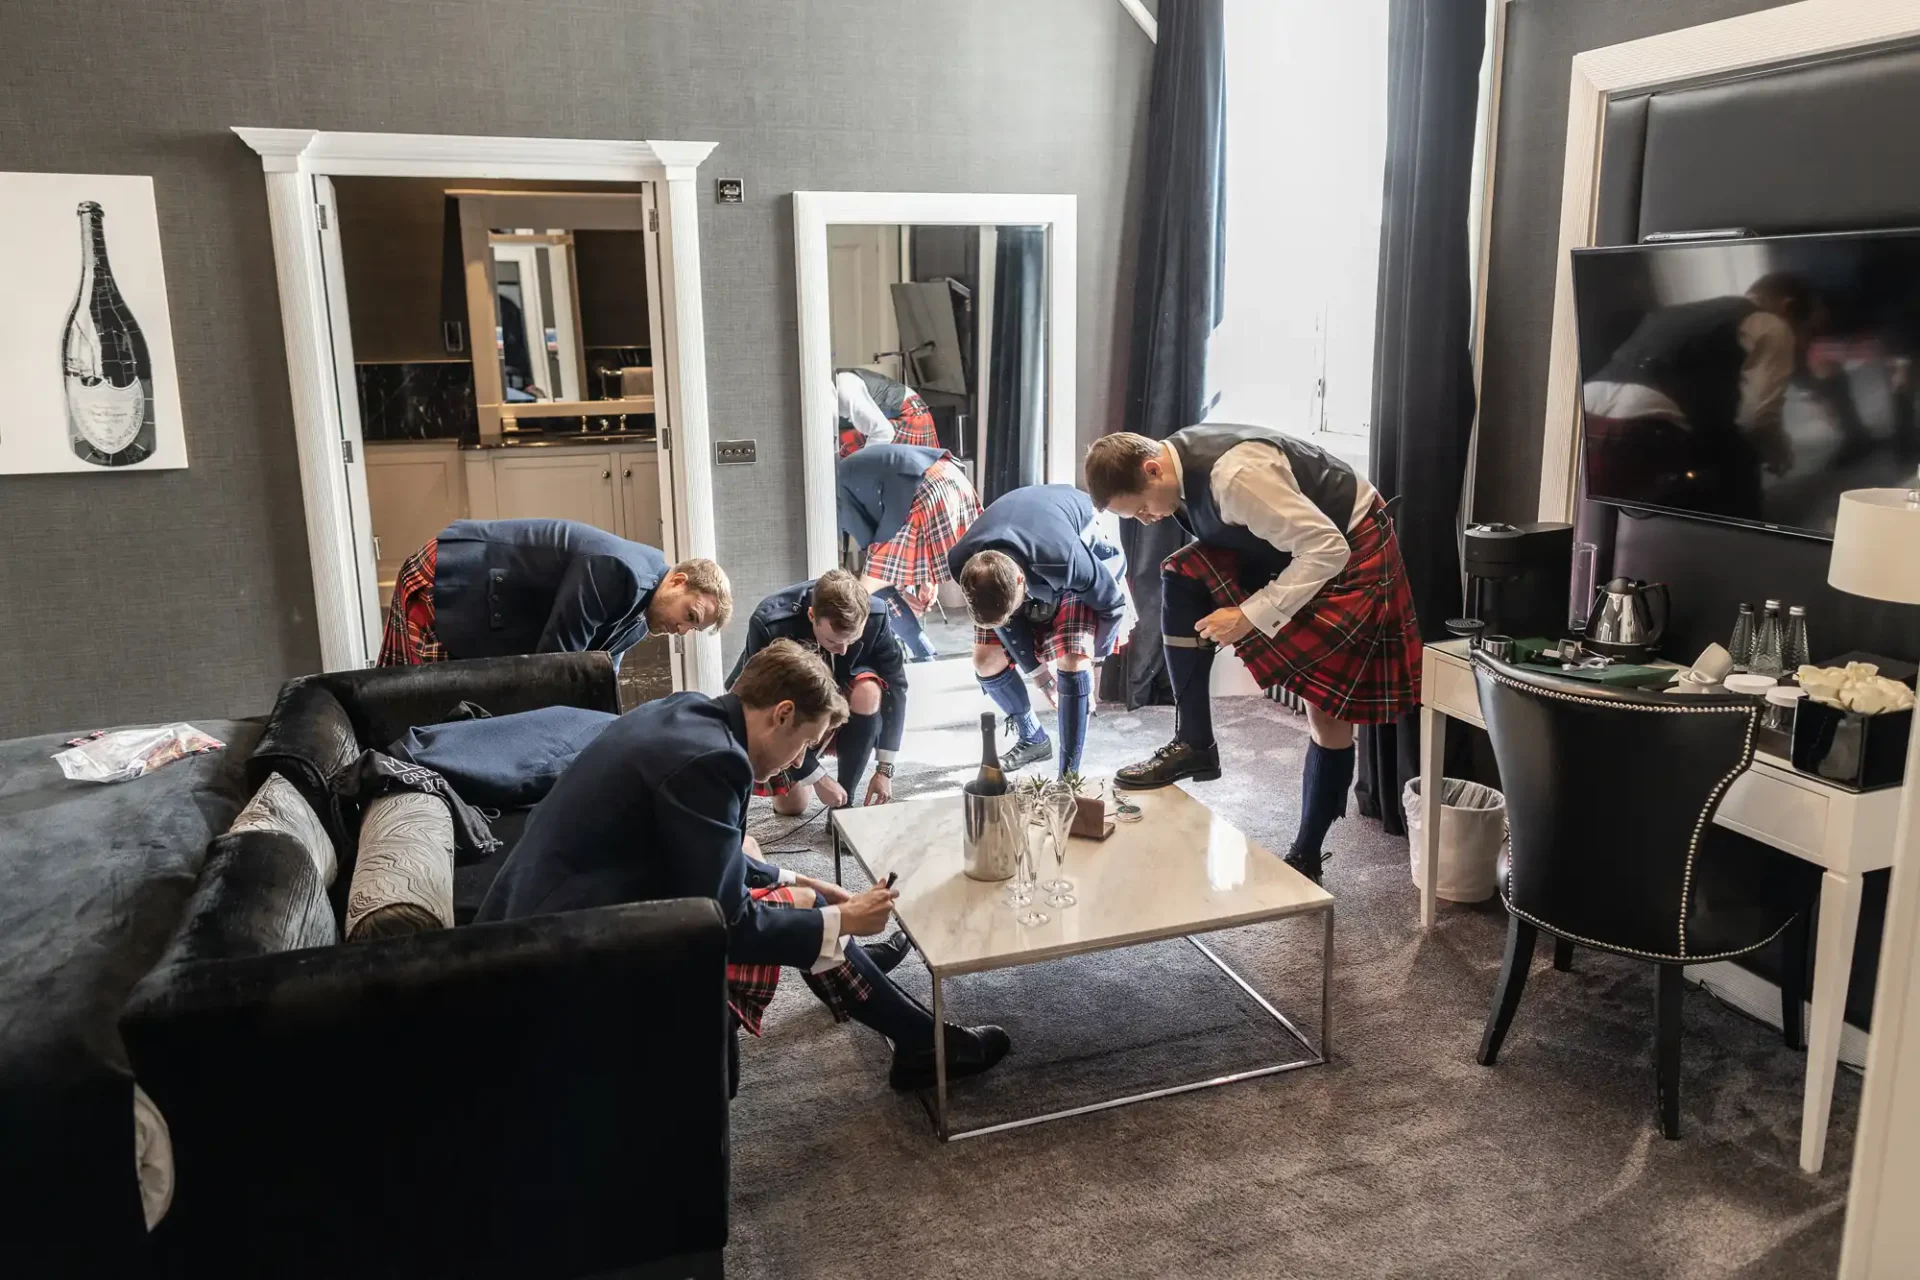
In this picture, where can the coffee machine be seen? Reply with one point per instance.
(1519, 578)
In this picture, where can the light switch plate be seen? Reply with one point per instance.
(735, 453)
(729, 191)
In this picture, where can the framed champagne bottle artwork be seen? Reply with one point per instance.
(86, 345)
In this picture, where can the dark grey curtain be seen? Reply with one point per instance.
(1017, 372)
(1423, 401)
(1177, 293)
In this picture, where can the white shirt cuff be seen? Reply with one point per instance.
(833, 947)
(819, 772)
(885, 756)
(787, 876)
(1266, 619)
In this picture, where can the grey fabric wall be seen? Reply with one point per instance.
(1542, 37)
(125, 598)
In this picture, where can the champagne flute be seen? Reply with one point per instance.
(1024, 878)
(1059, 803)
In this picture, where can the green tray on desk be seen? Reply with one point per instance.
(1621, 675)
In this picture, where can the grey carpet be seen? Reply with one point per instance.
(1401, 1157)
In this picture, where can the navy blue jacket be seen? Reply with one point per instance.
(540, 586)
(783, 616)
(1049, 531)
(656, 808)
(877, 488)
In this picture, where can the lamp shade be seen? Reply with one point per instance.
(1876, 545)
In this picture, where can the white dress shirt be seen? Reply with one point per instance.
(857, 407)
(833, 947)
(1253, 485)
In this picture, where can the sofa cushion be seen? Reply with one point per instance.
(403, 873)
(279, 806)
(259, 894)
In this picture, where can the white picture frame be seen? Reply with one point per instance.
(43, 225)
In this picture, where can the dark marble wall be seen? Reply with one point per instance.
(416, 401)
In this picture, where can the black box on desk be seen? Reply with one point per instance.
(1859, 751)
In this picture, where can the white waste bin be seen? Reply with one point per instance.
(1473, 828)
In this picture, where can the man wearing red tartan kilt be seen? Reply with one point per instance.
(1293, 563)
(905, 506)
(875, 409)
(1048, 593)
(655, 808)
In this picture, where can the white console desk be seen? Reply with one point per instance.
(1845, 833)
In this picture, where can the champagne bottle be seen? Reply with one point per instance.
(109, 380)
(991, 780)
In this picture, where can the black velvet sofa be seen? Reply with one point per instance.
(536, 1098)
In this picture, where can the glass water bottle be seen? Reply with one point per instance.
(1767, 644)
(1741, 646)
(1796, 652)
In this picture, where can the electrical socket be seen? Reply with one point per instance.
(734, 453)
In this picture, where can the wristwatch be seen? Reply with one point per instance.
(883, 768)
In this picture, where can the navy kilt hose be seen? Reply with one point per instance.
(1353, 651)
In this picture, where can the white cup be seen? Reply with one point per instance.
(1712, 666)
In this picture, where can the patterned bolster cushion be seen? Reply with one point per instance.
(403, 876)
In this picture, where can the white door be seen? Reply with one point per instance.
(863, 263)
(352, 448)
(558, 484)
(672, 520)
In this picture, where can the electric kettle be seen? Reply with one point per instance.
(1628, 619)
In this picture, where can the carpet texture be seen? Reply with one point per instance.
(1400, 1157)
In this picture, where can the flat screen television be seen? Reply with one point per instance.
(1750, 380)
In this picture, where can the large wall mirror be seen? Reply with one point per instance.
(935, 319)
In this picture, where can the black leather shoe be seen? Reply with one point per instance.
(970, 1051)
(1312, 867)
(890, 952)
(1022, 754)
(1169, 765)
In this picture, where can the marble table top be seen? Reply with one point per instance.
(1181, 869)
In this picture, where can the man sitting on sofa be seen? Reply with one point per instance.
(656, 808)
(489, 588)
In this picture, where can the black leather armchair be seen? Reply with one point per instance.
(1612, 845)
(535, 1098)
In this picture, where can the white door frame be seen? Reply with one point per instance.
(294, 158)
(1770, 38)
(813, 213)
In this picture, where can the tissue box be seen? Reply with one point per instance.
(1865, 753)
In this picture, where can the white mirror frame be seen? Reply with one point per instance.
(294, 158)
(813, 213)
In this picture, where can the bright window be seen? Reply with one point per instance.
(1306, 157)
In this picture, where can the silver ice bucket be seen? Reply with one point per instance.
(994, 835)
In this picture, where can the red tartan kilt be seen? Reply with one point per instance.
(915, 424)
(1353, 651)
(409, 639)
(916, 557)
(1072, 631)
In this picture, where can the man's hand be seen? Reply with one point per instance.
(1224, 626)
(865, 914)
(879, 789)
(750, 847)
(831, 793)
(826, 890)
(1049, 688)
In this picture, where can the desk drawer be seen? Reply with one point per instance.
(1447, 686)
(1775, 811)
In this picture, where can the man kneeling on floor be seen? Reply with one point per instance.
(656, 808)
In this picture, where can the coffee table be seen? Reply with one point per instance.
(1180, 870)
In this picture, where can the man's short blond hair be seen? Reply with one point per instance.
(709, 580)
(787, 671)
(1116, 466)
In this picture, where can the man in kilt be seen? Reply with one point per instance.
(840, 620)
(1294, 563)
(655, 808)
(875, 409)
(486, 588)
(905, 506)
(1048, 595)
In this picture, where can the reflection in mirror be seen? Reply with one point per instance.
(538, 317)
(939, 338)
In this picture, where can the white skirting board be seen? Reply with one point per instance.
(1754, 996)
